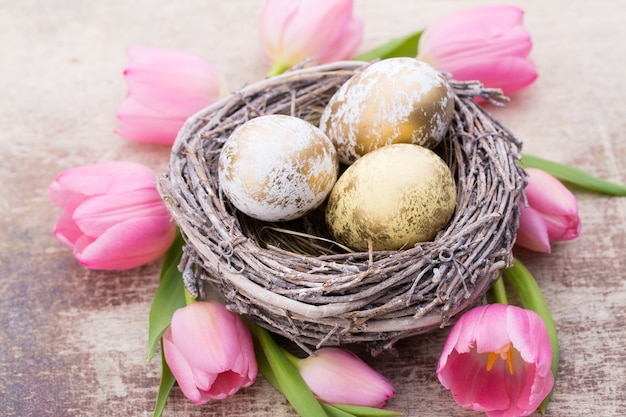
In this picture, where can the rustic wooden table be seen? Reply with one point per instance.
(73, 342)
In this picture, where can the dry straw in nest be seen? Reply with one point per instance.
(291, 278)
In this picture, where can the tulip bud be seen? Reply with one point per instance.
(551, 214)
(497, 359)
(294, 30)
(209, 350)
(338, 376)
(165, 87)
(113, 216)
(488, 44)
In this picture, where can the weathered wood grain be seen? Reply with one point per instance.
(73, 342)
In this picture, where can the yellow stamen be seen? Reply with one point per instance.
(491, 359)
(506, 353)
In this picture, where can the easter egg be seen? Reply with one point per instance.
(277, 167)
(395, 196)
(396, 100)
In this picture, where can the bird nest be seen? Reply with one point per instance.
(291, 278)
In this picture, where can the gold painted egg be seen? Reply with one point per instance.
(396, 196)
(277, 167)
(396, 100)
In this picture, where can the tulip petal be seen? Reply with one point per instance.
(99, 213)
(532, 232)
(340, 377)
(274, 18)
(488, 44)
(552, 214)
(180, 367)
(142, 124)
(293, 31)
(126, 245)
(548, 195)
(73, 185)
(66, 230)
(510, 74)
(165, 87)
(344, 46)
(171, 72)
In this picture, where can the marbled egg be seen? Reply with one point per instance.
(277, 167)
(396, 100)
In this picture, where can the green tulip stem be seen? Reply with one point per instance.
(284, 375)
(532, 299)
(499, 292)
(277, 69)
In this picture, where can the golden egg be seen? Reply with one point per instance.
(396, 196)
(396, 100)
(277, 167)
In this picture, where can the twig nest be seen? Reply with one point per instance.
(397, 100)
(291, 277)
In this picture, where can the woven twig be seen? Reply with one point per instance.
(291, 278)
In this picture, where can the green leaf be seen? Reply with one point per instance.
(574, 176)
(405, 46)
(167, 382)
(285, 375)
(360, 411)
(334, 411)
(264, 365)
(532, 299)
(168, 297)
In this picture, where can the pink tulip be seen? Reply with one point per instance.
(209, 350)
(497, 360)
(294, 30)
(165, 87)
(551, 215)
(337, 376)
(489, 44)
(113, 216)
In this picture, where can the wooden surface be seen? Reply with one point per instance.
(73, 342)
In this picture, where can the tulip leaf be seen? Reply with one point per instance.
(284, 375)
(168, 297)
(263, 363)
(405, 46)
(334, 411)
(167, 382)
(359, 411)
(532, 299)
(574, 176)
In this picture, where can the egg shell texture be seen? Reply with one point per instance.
(397, 196)
(398, 100)
(277, 167)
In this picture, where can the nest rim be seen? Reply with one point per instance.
(375, 298)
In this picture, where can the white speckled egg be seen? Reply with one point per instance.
(277, 167)
(396, 196)
(396, 100)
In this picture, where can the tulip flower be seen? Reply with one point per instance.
(294, 30)
(497, 360)
(551, 214)
(489, 44)
(209, 350)
(165, 87)
(113, 216)
(338, 376)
